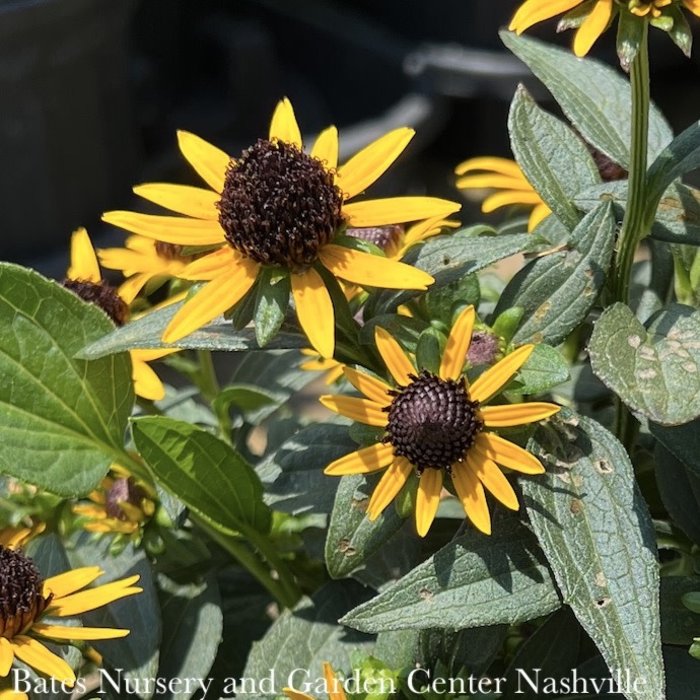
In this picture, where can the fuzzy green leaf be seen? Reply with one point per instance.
(654, 370)
(271, 304)
(62, 420)
(544, 369)
(595, 529)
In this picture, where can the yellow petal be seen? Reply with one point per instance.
(509, 197)
(493, 479)
(71, 581)
(169, 229)
(69, 633)
(364, 461)
(427, 499)
(537, 215)
(36, 655)
(13, 695)
(470, 492)
(517, 414)
(314, 310)
(389, 485)
(396, 210)
(326, 148)
(493, 181)
(368, 165)
(534, 11)
(372, 270)
(6, 657)
(217, 296)
(373, 388)
(425, 229)
(507, 454)
(148, 355)
(296, 695)
(395, 359)
(83, 261)
(284, 124)
(593, 26)
(210, 162)
(693, 6)
(147, 384)
(503, 166)
(457, 346)
(93, 598)
(129, 290)
(335, 689)
(129, 261)
(183, 199)
(360, 410)
(212, 265)
(496, 377)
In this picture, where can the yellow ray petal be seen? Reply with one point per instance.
(457, 346)
(6, 657)
(36, 655)
(326, 148)
(364, 461)
(537, 216)
(335, 689)
(93, 598)
(83, 261)
(373, 388)
(372, 270)
(314, 310)
(367, 166)
(150, 354)
(496, 377)
(183, 199)
(169, 229)
(427, 499)
(693, 6)
(128, 260)
(507, 454)
(395, 359)
(296, 695)
(215, 297)
(493, 181)
(210, 162)
(593, 26)
(470, 492)
(493, 479)
(284, 124)
(509, 197)
(129, 290)
(425, 229)
(503, 166)
(397, 210)
(360, 410)
(71, 581)
(534, 11)
(212, 265)
(147, 384)
(61, 632)
(517, 414)
(389, 485)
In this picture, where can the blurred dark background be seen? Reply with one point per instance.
(92, 92)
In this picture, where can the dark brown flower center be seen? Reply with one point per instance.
(432, 422)
(103, 295)
(21, 600)
(279, 205)
(122, 490)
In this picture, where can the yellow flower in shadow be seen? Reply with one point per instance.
(334, 688)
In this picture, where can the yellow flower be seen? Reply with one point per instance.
(653, 8)
(333, 687)
(333, 368)
(504, 175)
(15, 537)
(27, 601)
(84, 278)
(276, 206)
(142, 260)
(121, 505)
(438, 425)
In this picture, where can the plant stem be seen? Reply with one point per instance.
(209, 386)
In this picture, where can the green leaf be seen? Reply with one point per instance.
(593, 96)
(682, 441)
(307, 636)
(592, 522)
(503, 577)
(293, 474)
(352, 537)
(680, 32)
(554, 159)
(271, 304)
(62, 420)
(442, 303)
(654, 370)
(429, 349)
(557, 291)
(452, 257)
(630, 34)
(679, 624)
(544, 369)
(245, 398)
(220, 334)
(205, 473)
(192, 628)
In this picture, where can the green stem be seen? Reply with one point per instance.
(209, 386)
(284, 574)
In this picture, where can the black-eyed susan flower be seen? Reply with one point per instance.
(333, 687)
(505, 176)
(277, 206)
(15, 537)
(120, 506)
(31, 609)
(439, 425)
(84, 278)
(332, 368)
